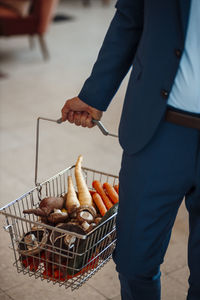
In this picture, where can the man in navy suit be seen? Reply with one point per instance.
(159, 132)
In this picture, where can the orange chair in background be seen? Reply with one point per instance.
(35, 21)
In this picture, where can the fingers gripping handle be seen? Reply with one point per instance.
(99, 124)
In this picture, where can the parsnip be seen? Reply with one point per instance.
(84, 195)
(72, 201)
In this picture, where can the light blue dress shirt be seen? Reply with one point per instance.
(185, 93)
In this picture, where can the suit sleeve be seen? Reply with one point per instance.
(115, 56)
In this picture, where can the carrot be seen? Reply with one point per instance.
(116, 187)
(111, 192)
(99, 203)
(98, 187)
(71, 198)
(84, 195)
(92, 192)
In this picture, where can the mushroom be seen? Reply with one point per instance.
(47, 205)
(86, 213)
(67, 247)
(91, 227)
(69, 240)
(97, 220)
(65, 241)
(33, 241)
(58, 216)
(73, 213)
(74, 221)
(85, 225)
(73, 227)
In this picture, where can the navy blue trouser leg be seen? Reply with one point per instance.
(140, 287)
(192, 200)
(153, 183)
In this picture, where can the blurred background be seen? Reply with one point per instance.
(47, 50)
(33, 85)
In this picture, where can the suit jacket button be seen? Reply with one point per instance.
(164, 94)
(178, 53)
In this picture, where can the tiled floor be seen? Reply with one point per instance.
(36, 88)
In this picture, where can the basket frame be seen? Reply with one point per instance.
(94, 254)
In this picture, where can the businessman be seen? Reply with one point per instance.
(159, 132)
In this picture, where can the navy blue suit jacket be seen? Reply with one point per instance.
(149, 36)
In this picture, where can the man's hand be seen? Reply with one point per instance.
(78, 112)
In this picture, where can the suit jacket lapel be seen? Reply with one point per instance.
(184, 6)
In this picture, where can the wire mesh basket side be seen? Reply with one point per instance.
(69, 267)
(72, 267)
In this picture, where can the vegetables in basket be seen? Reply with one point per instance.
(99, 203)
(113, 210)
(79, 262)
(31, 262)
(110, 190)
(68, 240)
(66, 255)
(98, 187)
(116, 187)
(33, 241)
(71, 202)
(66, 243)
(47, 205)
(84, 195)
(58, 216)
(86, 213)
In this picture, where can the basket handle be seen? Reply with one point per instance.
(59, 121)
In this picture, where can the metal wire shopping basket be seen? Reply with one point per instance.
(51, 261)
